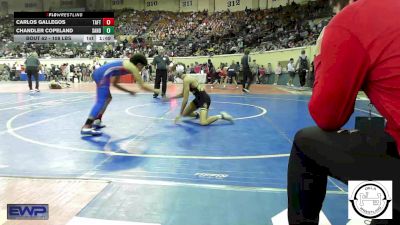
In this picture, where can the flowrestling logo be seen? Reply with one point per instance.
(370, 199)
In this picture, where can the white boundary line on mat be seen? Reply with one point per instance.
(263, 111)
(11, 130)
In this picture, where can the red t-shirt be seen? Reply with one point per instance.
(197, 69)
(360, 50)
(261, 71)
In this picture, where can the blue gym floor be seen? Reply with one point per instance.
(185, 174)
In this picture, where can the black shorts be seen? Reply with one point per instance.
(202, 100)
(231, 74)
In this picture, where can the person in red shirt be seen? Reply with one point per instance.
(354, 52)
(261, 74)
(224, 75)
(220, 76)
(197, 68)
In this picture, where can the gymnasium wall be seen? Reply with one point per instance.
(40, 5)
(27, 6)
(276, 3)
(204, 4)
(122, 4)
(199, 5)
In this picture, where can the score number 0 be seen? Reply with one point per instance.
(108, 21)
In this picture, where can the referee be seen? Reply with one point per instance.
(161, 62)
(247, 75)
(32, 65)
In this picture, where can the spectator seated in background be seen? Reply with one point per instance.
(53, 84)
(178, 70)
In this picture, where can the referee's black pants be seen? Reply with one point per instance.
(32, 71)
(302, 77)
(161, 76)
(247, 78)
(317, 154)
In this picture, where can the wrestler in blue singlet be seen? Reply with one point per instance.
(102, 77)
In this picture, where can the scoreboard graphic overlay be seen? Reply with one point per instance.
(49, 27)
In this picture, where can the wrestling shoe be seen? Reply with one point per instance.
(90, 131)
(226, 116)
(97, 124)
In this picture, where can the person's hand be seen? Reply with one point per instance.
(319, 42)
(177, 119)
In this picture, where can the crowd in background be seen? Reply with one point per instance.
(188, 33)
(65, 72)
(264, 72)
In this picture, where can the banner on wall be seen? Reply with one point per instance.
(188, 5)
(152, 5)
(117, 2)
(162, 5)
(233, 5)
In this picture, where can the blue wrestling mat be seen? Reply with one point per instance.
(162, 173)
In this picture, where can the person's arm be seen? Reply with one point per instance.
(154, 63)
(177, 96)
(340, 71)
(135, 73)
(39, 65)
(185, 93)
(180, 95)
(168, 61)
(297, 63)
(121, 88)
